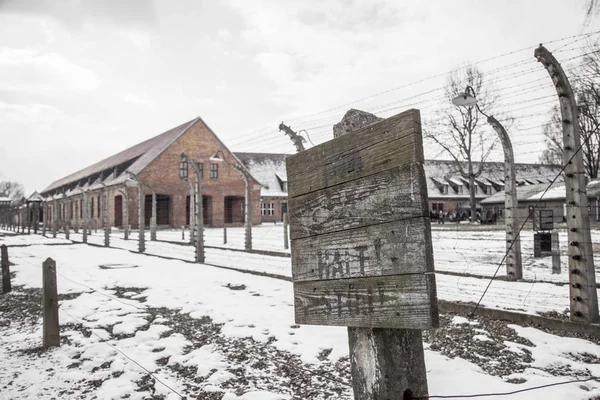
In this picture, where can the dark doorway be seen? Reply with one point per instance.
(187, 210)
(119, 210)
(283, 209)
(207, 210)
(163, 209)
(234, 209)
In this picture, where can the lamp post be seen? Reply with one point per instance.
(248, 201)
(183, 175)
(199, 211)
(141, 213)
(125, 212)
(514, 268)
(86, 215)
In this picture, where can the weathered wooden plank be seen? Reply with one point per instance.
(394, 248)
(387, 144)
(395, 194)
(403, 301)
(51, 331)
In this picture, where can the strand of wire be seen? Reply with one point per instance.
(523, 225)
(586, 35)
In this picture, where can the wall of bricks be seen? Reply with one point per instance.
(278, 205)
(200, 144)
(162, 174)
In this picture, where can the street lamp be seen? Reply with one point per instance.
(184, 176)
(141, 212)
(185, 160)
(514, 269)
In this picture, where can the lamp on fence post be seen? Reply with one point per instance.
(514, 268)
(199, 211)
(184, 176)
(141, 212)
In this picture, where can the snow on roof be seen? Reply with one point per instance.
(531, 193)
(268, 169)
(447, 171)
(35, 196)
(3, 198)
(457, 182)
(282, 175)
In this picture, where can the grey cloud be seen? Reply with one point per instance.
(75, 13)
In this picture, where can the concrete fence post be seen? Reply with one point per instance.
(286, 242)
(86, 217)
(105, 220)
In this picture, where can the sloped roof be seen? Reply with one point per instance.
(444, 171)
(146, 151)
(35, 196)
(556, 191)
(266, 167)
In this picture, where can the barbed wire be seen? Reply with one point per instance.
(306, 124)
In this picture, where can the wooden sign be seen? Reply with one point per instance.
(360, 231)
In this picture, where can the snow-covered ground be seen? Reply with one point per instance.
(475, 253)
(118, 322)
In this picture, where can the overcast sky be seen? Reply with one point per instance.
(83, 79)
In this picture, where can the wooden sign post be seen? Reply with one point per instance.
(361, 251)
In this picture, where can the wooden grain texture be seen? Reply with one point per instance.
(390, 195)
(403, 301)
(51, 331)
(393, 142)
(394, 248)
(386, 362)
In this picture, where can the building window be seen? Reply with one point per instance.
(437, 207)
(285, 187)
(445, 190)
(267, 209)
(183, 170)
(214, 171)
(201, 169)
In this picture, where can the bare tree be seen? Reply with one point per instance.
(592, 9)
(11, 189)
(586, 83)
(462, 132)
(588, 102)
(552, 131)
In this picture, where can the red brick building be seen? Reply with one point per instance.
(449, 192)
(156, 162)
